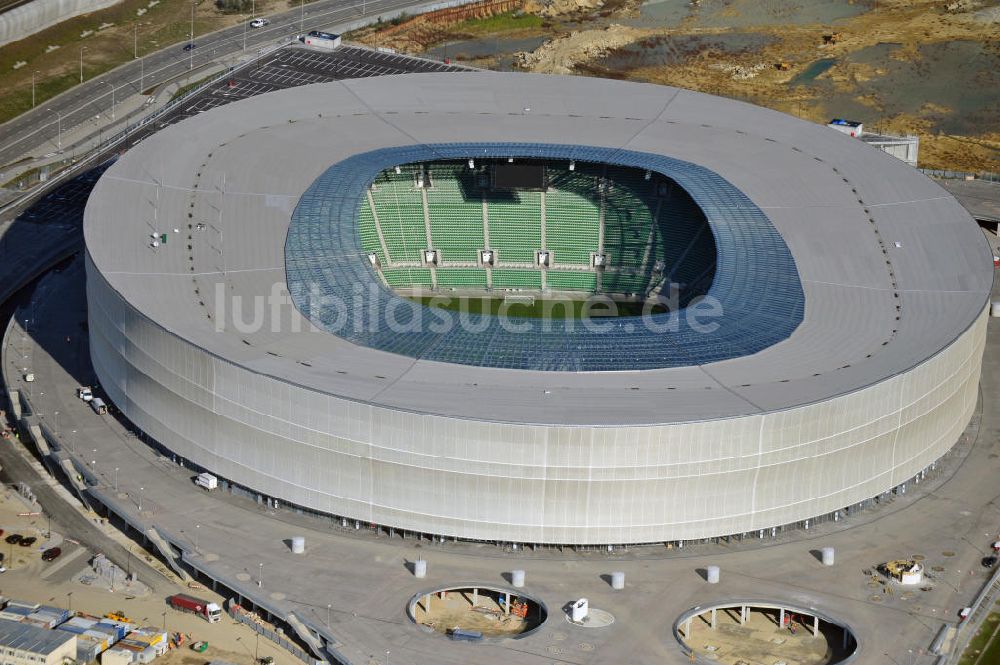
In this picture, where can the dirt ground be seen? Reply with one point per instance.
(455, 610)
(887, 65)
(761, 642)
(31, 579)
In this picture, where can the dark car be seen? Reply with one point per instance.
(51, 553)
(989, 561)
(27, 541)
(13, 538)
(190, 46)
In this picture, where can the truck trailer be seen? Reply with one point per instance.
(210, 611)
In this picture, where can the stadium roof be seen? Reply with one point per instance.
(891, 267)
(756, 287)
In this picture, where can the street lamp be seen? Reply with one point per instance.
(140, 498)
(33, 89)
(112, 99)
(82, 49)
(196, 528)
(260, 576)
(328, 607)
(116, 480)
(59, 140)
(55, 419)
(191, 41)
(72, 442)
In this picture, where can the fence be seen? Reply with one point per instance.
(988, 176)
(241, 615)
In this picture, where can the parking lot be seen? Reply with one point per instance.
(295, 66)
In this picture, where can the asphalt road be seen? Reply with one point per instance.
(69, 520)
(37, 131)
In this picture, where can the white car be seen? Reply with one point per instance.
(259, 23)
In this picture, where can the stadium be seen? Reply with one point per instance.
(763, 321)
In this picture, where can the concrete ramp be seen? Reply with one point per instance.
(307, 635)
(74, 480)
(35, 432)
(167, 550)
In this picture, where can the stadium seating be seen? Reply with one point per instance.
(572, 217)
(456, 217)
(647, 238)
(400, 210)
(515, 225)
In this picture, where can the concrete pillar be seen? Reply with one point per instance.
(843, 646)
(687, 628)
(506, 609)
(781, 618)
(714, 611)
(427, 603)
(743, 615)
(475, 597)
(815, 626)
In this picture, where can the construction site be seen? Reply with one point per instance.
(476, 613)
(735, 635)
(923, 68)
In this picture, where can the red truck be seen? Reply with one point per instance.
(210, 611)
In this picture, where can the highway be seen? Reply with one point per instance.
(38, 131)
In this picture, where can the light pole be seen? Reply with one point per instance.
(33, 89)
(253, 9)
(82, 49)
(140, 499)
(328, 607)
(302, 15)
(135, 40)
(244, 31)
(55, 420)
(386, 657)
(59, 130)
(108, 83)
(72, 442)
(116, 480)
(260, 576)
(191, 41)
(197, 527)
(69, 600)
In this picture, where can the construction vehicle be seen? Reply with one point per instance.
(85, 393)
(185, 603)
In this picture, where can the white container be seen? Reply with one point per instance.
(420, 568)
(517, 578)
(580, 610)
(298, 544)
(618, 580)
(712, 574)
(827, 556)
(207, 480)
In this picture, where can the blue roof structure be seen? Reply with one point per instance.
(755, 301)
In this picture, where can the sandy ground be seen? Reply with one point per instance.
(456, 610)
(760, 640)
(55, 583)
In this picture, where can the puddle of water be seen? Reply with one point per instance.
(676, 49)
(809, 74)
(747, 13)
(744, 13)
(484, 47)
(962, 77)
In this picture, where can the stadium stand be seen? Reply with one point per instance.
(652, 229)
